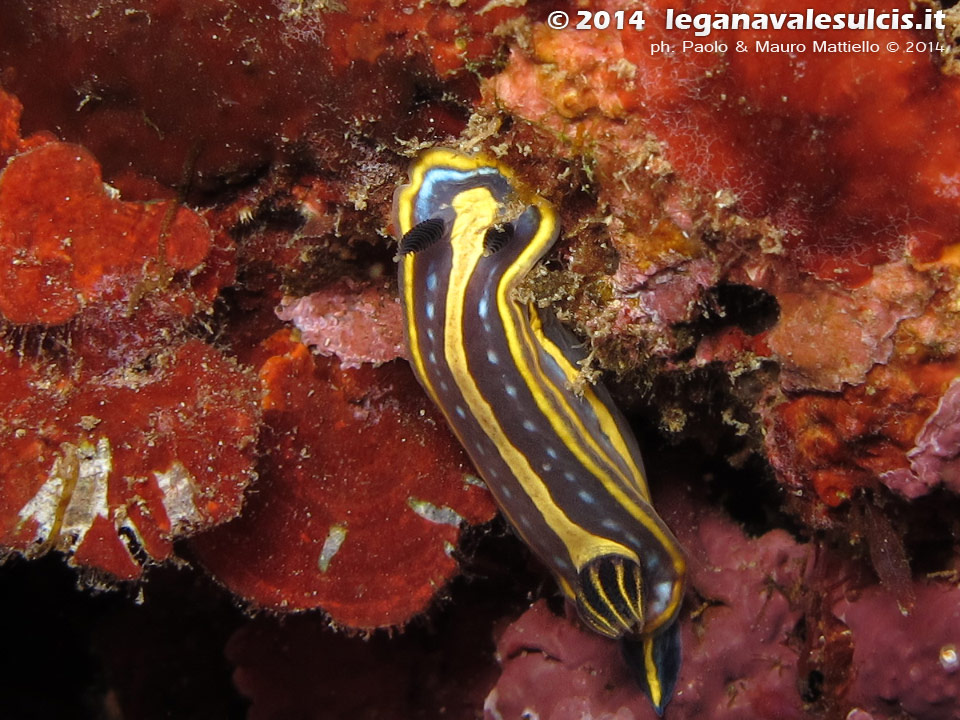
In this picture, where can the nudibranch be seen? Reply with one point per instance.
(562, 464)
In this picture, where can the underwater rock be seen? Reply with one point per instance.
(251, 82)
(825, 183)
(770, 170)
(301, 668)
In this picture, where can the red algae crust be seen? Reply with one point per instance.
(361, 496)
(119, 435)
(110, 469)
(825, 182)
(105, 292)
(67, 242)
(222, 88)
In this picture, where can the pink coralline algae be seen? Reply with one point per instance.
(110, 469)
(356, 323)
(555, 670)
(764, 619)
(904, 662)
(858, 324)
(741, 656)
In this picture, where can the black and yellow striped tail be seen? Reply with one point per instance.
(655, 663)
(610, 595)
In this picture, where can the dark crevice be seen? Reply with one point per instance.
(752, 310)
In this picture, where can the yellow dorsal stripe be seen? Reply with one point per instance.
(413, 333)
(475, 211)
(608, 425)
(577, 440)
(652, 672)
(509, 316)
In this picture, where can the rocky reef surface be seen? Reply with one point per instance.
(223, 493)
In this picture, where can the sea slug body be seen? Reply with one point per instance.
(564, 466)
